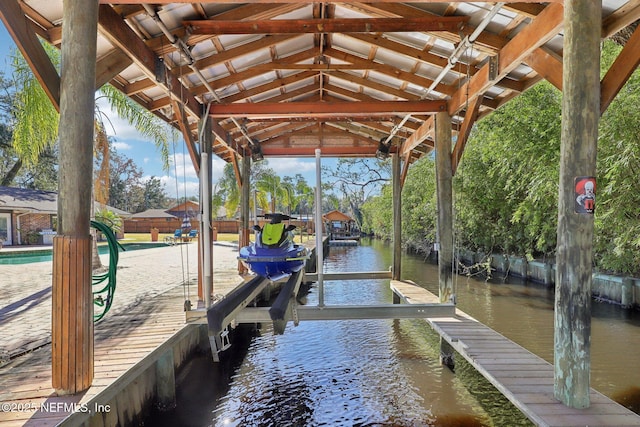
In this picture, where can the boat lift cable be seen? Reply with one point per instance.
(451, 62)
(175, 173)
(186, 212)
(103, 293)
(182, 47)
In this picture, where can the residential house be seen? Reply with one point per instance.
(29, 217)
(183, 216)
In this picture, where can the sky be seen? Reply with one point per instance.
(180, 180)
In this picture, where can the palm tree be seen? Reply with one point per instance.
(36, 124)
(35, 120)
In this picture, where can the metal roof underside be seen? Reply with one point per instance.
(288, 76)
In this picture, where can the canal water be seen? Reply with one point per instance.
(387, 372)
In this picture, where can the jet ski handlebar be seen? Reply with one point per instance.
(276, 218)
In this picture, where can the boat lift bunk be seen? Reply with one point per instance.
(235, 307)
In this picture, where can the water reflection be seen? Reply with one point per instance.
(387, 373)
(523, 312)
(355, 373)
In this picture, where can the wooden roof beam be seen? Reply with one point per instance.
(120, 35)
(388, 70)
(110, 65)
(183, 123)
(541, 30)
(236, 52)
(335, 25)
(299, 1)
(381, 87)
(625, 16)
(427, 130)
(257, 90)
(323, 109)
(463, 135)
(548, 65)
(251, 72)
(620, 71)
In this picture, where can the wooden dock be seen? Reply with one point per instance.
(135, 356)
(128, 348)
(521, 376)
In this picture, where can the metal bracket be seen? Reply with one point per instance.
(293, 306)
(219, 343)
(493, 67)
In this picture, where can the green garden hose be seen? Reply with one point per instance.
(103, 293)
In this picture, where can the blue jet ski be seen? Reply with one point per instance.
(274, 255)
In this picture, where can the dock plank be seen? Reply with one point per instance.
(524, 378)
(121, 343)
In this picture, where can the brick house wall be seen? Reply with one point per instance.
(29, 227)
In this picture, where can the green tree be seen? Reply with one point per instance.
(35, 120)
(228, 190)
(126, 191)
(154, 194)
(354, 180)
(617, 221)
(506, 186)
(40, 170)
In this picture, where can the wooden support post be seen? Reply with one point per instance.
(72, 316)
(444, 177)
(165, 382)
(580, 115)
(445, 206)
(72, 313)
(245, 196)
(397, 216)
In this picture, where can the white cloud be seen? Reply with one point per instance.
(179, 188)
(291, 167)
(182, 166)
(121, 146)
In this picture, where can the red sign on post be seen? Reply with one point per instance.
(585, 194)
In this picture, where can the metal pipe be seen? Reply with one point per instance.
(207, 273)
(451, 62)
(318, 219)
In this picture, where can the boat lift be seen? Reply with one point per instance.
(234, 307)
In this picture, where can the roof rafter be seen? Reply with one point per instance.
(335, 25)
(315, 109)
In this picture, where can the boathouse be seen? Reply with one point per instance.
(341, 226)
(250, 80)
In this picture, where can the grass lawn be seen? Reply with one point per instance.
(222, 237)
(146, 237)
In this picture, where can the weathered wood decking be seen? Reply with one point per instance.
(524, 378)
(132, 346)
(126, 346)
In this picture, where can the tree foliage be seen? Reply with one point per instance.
(353, 181)
(272, 192)
(35, 120)
(128, 190)
(506, 188)
(617, 221)
(507, 185)
(419, 210)
(40, 173)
